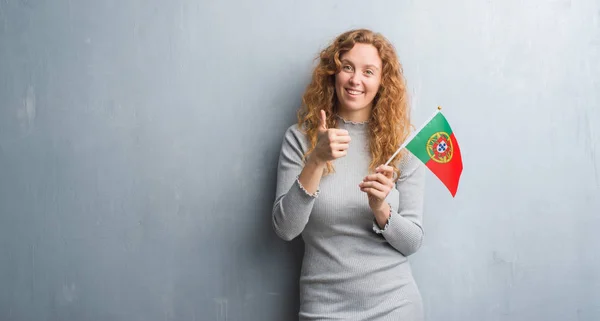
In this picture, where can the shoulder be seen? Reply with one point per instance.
(295, 130)
(409, 163)
(295, 136)
(410, 166)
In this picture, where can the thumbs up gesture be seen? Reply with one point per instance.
(332, 143)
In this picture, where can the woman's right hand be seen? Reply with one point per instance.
(332, 143)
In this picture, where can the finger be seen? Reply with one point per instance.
(386, 170)
(339, 153)
(341, 139)
(374, 185)
(340, 132)
(323, 120)
(339, 147)
(379, 177)
(373, 192)
(384, 179)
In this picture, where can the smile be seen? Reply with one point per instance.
(353, 92)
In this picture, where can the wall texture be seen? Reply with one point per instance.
(139, 140)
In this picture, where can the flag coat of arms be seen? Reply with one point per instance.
(437, 147)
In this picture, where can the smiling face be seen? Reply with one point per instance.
(358, 81)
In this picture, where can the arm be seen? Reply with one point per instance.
(404, 229)
(297, 186)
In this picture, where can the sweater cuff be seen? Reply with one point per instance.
(315, 195)
(376, 228)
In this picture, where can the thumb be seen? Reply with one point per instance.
(323, 126)
(388, 171)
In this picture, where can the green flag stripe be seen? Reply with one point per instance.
(418, 145)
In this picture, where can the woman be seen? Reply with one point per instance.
(359, 219)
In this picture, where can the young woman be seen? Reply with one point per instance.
(359, 219)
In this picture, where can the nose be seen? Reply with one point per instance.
(354, 79)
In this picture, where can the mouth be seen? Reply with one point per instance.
(353, 92)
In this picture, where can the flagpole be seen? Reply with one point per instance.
(407, 141)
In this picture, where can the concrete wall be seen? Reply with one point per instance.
(139, 140)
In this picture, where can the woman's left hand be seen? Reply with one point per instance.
(378, 186)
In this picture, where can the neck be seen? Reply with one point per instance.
(357, 116)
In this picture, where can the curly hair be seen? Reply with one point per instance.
(389, 122)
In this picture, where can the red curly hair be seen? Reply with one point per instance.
(389, 123)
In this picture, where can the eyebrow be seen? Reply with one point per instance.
(373, 66)
(369, 65)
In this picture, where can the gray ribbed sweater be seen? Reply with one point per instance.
(351, 269)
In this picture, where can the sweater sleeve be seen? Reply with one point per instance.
(404, 229)
(293, 204)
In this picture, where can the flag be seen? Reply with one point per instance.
(436, 146)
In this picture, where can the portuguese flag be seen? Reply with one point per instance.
(436, 146)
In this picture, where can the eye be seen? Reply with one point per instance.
(370, 72)
(347, 68)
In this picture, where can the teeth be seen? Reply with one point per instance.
(354, 92)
